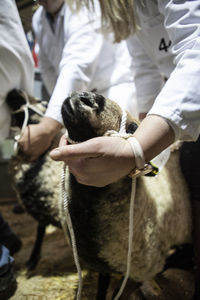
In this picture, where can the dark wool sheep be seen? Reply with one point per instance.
(37, 184)
(162, 214)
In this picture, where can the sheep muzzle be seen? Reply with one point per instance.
(81, 113)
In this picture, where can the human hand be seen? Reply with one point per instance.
(98, 161)
(37, 138)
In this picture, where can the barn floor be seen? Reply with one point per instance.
(55, 277)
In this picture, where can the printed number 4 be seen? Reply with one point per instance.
(163, 45)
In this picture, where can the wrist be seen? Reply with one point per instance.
(141, 168)
(154, 135)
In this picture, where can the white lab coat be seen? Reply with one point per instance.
(16, 63)
(168, 44)
(75, 57)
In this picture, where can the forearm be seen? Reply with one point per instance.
(50, 126)
(154, 134)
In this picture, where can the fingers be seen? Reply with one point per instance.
(97, 162)
(88, 172)
(34, 142)
(86, 149)
(25, 137)
(63, 141)
(24, 141)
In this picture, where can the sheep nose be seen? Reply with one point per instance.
(83, 100)
(87, 101)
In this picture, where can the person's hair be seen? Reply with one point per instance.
(117, 15)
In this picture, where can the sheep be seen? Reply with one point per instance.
(37, 183)
(162, 213)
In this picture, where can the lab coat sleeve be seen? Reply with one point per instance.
(179, 100)
(82, 48)
(49, 77)
(148, 79)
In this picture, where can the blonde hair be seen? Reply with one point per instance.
(117, 15)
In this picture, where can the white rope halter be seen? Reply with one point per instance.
(66, 218)
(24, 108)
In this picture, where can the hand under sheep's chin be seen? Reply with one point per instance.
(97, 162)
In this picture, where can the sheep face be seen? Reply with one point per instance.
(87, 115)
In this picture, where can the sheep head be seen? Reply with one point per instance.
(16, 99)
(87, 115)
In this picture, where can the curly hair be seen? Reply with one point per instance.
(117, 15)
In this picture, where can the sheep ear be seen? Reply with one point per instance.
(131, 127)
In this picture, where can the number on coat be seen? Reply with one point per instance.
(163, 45)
